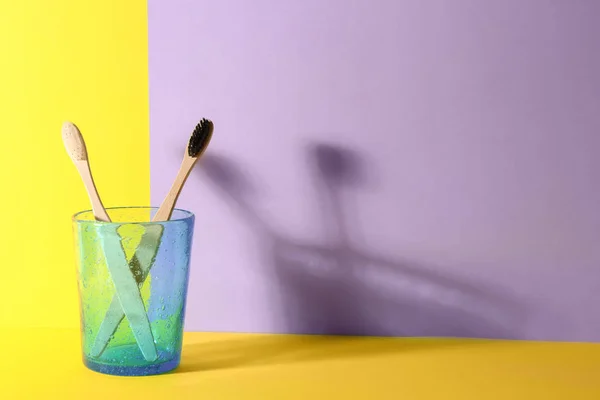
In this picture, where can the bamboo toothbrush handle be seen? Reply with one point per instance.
(86, 175)
(166, 208)
(126, 287)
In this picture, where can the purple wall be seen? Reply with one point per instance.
(386, 167)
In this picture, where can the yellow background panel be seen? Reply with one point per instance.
(83, 61)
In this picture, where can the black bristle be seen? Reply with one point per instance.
(200, 137)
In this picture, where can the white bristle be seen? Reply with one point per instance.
(74, 142)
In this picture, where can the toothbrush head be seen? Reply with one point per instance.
(200, 138)
(74, 142)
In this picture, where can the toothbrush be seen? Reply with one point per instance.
(196, 146)
(125, 285)
(75, 146)
(148, 247)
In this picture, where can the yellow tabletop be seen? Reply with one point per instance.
(46, 364)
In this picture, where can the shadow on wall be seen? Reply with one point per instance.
(338, 288)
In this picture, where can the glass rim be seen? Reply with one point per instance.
(187, 216)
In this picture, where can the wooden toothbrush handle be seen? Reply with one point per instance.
(166, 208)
(86, 175)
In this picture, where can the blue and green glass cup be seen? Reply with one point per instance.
(133, 279)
